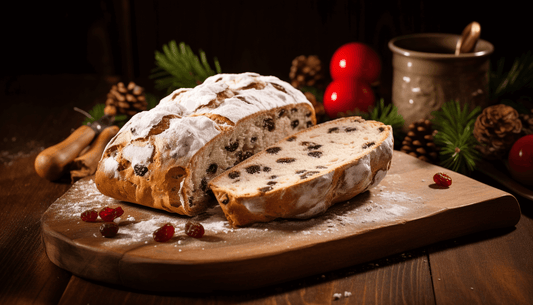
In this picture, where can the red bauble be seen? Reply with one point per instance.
(355, 60)
(521, 160)
(347, 94)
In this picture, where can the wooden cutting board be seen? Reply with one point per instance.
(407, 210)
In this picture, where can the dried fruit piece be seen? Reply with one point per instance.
(442, 179)
(109, 229)
(109, 214)
(140, 170)
(194, 229)
(165, 233)
(273, 150)
(118, 212)
(252, 169)
(89, 216)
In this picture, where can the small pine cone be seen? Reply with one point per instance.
(125, 100)
(419, 141)
(319, 107)
(306, 71)
(527, 123)
(496, 129)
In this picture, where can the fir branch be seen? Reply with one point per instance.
(519, 76)
(387, 115)
(455, 136)
(95, 114)
(178, 67)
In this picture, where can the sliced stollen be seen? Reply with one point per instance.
(165, 157)
(304, 174)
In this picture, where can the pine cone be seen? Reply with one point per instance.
(319, 107)
(496, 129)
(125, 100)
(306, 72)
(419, 141)
(527, 123)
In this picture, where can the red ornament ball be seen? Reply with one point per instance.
(521, 160)
(347, 94)
(355, 60)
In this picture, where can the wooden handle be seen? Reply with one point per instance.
(52, 162)
(86, 164)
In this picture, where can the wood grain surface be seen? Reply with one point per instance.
(406, 211)
(496, 263)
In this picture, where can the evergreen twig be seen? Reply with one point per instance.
(178, 67)
(518, 77)
(455, 136)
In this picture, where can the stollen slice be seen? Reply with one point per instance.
(304, 174)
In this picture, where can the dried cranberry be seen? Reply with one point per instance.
(442, 179)
(194, 229)
(109, 229)
(164, 233)
(109, 214)
(89, 216)
(118, 212)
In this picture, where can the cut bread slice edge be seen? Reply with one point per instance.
(333, 162)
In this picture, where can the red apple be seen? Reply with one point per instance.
(521, 160)
(355, 60)
(347, 94)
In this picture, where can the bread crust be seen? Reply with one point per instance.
(311, 196)
(159, 158)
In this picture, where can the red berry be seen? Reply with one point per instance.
(109, 214)
(355, 60)
(194, 229)
(89, 216)
(164, 233)
(109, 229)
(442, 179)
(118, 212)
(347, 95)
(521, 160)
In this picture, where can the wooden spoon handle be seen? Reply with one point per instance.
(52, 162)
(86, 164)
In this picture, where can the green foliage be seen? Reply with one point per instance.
(152, 100)
(386, 114)
(519, 76)
(178, 67)
(455, 136)
(318, 93)
(95, 114)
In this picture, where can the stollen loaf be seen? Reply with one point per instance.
(304, 174)
(165, 157)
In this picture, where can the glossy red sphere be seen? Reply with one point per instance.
(347, 94)
(521, 160)
(355, 60)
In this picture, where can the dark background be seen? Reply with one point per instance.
(119, 37)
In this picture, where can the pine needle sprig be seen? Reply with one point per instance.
(178, 67)
(455, 136)
(518, 77)
(386, 114)
(94, 114)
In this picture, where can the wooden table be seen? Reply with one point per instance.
(491, 267)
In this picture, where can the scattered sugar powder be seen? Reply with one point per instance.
(381, 205)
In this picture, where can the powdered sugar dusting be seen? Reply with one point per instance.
(380, 206)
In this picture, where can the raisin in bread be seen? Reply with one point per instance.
(304, 174)
(165, 157)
